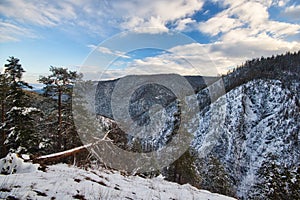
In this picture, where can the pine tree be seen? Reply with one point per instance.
(276, 181)
(4, 88)
(59, 85)
(214, 176)
(23, 137)
(19, 121)
(183, 170)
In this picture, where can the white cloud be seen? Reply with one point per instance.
(280, 3)
(11, 32)
(165, 9)
(219, 24)
(65, 14)
(190, 59)
(281, 29)
(151, 25)
(186, 24)
(163, 64)
(247, 14)
(293, 12)
(144, 14)
(37, 12)
(247, 31)
(105, 50)
(97, 16)
(224, 55)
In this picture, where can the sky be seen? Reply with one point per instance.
(107, 39)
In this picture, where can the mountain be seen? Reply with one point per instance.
(261, 125)
(36, 87)
(251, 130)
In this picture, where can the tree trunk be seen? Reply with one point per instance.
(2, 112)
(59, 118)
(3, 135)
(57, 157)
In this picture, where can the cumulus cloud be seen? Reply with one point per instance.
(139, 15)
(245, 30)
(143, 15)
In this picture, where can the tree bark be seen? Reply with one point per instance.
(56, 157)
(3, 134)
(59, 118)
(2, 112)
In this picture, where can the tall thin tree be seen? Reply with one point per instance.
(3, 96)
(59, 84)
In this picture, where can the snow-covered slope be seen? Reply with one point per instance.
(68, 182)
(261, 124)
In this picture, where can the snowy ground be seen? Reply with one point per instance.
(67, 182)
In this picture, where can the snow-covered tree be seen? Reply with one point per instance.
(276, 181)
(183, 170)
(214, 176)
(22, 135)
(18, 117)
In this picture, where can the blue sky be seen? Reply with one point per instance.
(222, 33)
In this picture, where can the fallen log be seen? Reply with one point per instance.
(55, 157)
(60, 155)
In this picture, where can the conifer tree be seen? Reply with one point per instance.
(59, 85)
(18, 117)
(3, 95)
(214, 176)
(183, 170)
(276, 182)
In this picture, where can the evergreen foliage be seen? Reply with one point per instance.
(18, 122)
(183, 170)
(276, 181)
(214, 176)
(59, 85)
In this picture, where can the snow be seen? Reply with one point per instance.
(12, 164)
(68, 182)
(24, 110)
(25, 157)
(260, 120)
